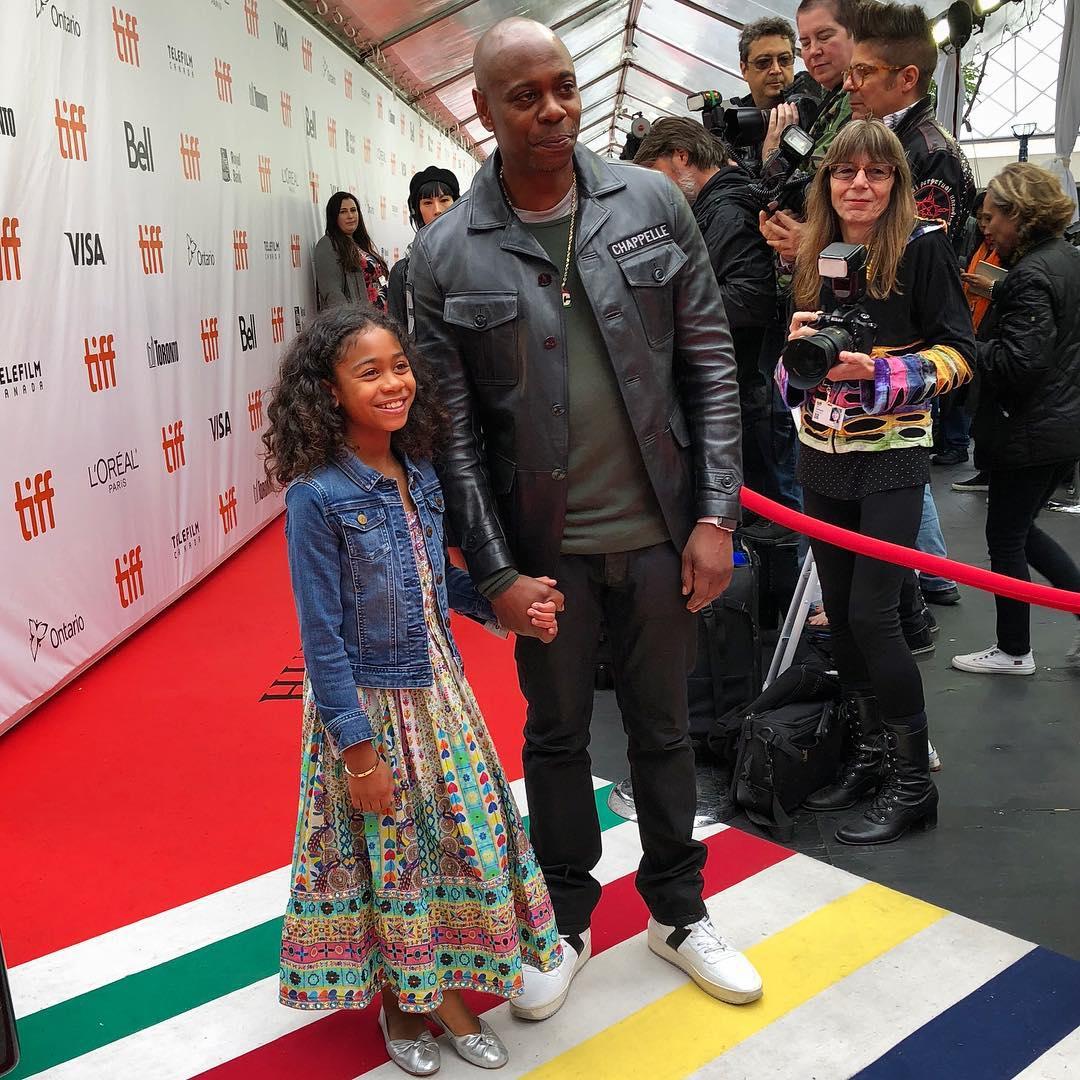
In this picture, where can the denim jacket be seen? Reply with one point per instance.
(357, 588)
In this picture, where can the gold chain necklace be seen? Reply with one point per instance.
(569, 240)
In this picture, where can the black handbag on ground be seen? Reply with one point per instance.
(790, 744)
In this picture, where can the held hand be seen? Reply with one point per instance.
(978, 284)
(853, 366)
(779, 118)
(542, 616)
(513, 604)
(803, 324)
(372, 794)
(707, 565)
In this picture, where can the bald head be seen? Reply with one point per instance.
(509, 44)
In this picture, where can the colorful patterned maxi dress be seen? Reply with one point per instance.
(445, 894)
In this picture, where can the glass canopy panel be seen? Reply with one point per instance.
(602, 123)
(599, 61)
(643, 86)
(678, 67)
(380, 19)
(603, 90)
(599, 26)
(715, 42)
(477, 130)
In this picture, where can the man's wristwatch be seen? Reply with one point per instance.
(727, 524)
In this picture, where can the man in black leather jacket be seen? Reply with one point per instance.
(570, 310)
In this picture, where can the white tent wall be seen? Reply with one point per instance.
(163, 175)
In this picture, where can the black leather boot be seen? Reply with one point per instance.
(907, 799)
(864, 767)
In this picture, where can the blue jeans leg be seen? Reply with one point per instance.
(932, 541)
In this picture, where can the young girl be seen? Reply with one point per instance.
(412, 876)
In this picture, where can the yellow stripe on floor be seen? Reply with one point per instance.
(686, 1029)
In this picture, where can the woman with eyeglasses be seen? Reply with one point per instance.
(348, 268)
(865, 467)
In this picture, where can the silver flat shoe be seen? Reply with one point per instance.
(420, 1056)
(484, 1048)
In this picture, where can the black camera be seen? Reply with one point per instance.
(848, 329)
(740, 125)
(783, 180)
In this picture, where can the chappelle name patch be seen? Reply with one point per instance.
(654, 234)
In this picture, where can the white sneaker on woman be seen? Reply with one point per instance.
(993, 661)
(545, 991)
(710, 960)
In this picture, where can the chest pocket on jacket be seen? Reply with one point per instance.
(649, 274)
(489, 326)
(367, 532)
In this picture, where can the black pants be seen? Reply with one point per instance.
(636, 594)
(861, 597)
(1015, 542)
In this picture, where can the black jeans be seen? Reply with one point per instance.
(861, 597)
(1015, 542)
(636, 595)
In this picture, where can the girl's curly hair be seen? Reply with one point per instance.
(307, 430)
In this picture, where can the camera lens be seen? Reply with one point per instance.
(809, 359)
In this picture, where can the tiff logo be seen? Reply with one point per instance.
(126, 33)
(286, 109)
(294, 249)
(277, 324)
(71, 130)
(255, 408)
(227, 509)
(313, 180)
(190, 157)
(7, 121)
(129, 576)
(100, 359)
(248, 336)
(240, 249)
(223, 75)
(264, 174)
(152, 248)
(35, 508)
(282, 35)
(367, 151)
(172, 445)
(208, 334)
(251, 17)
(10, 270)
(348, 86)
(310, 123)
(305, 53)
(331, 132)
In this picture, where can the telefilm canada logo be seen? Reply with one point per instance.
(181, 61)
(55, 636)
(21, 379)
(272, 250)
(186, 538)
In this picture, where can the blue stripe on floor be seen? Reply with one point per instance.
(995, 1032)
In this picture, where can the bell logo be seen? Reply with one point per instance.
(264, 174)
(255, 408)
(152, 247)
(227, 509)
(140, 152)
(282, 35)
(331, 132)
(125, 31)
(313, 180)
(277, 324)
(208, 333)
(310, 123)
(348, 86)
(100, 359)
(286, 109)
(223, 75)
(305, 53)
(240, 249)
(190, 156)
(251, 17)
(129, 576)
(71, 130)
(172, 445)
(248, 338)
(10, 270)
(294, 249)
(35, 507)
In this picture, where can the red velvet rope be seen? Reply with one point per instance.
(1002, 585)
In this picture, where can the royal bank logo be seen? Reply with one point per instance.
(185, 539)
(248, 334)
(272, 250)
(331, 132)
(298, 317)
(310, 123)
(56, 636)
(209, 336)
(251, 17)
(21, 379)
(140, 150)
(230, 166)
(110, 473)
(70, 120)
(86, 249)
(257, 98)
(286, 109)
(260, 489)
(282, 36)
(151, 249)
(277, 326)
(162, 353)
(220, 425)
(305, 53)
(223, 77)
(227, 509)
(99, 356)
(126, 34)
(181, 61)
(290, 180)
(60, 19)
(34, 505)
(197, 256)
(190, 157)
(7, 122)
(264, 174)
(129, 576)
(255, 408)
(172, 446)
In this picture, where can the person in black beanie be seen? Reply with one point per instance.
(431, 192)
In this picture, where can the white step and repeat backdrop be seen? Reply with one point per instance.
(164, 170)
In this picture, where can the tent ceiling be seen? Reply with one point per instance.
(631, 55)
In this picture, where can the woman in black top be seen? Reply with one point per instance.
(348, 269)
(1027, 423)
(865, 457)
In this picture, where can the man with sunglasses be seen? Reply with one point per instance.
(767, 61)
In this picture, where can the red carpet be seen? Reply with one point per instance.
(160, 776)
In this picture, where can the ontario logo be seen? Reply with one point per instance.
(56, 636)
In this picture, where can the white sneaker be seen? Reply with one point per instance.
(1072, 657)
(993, 661)
(545, 991)
(713, 963)
(935, 758)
